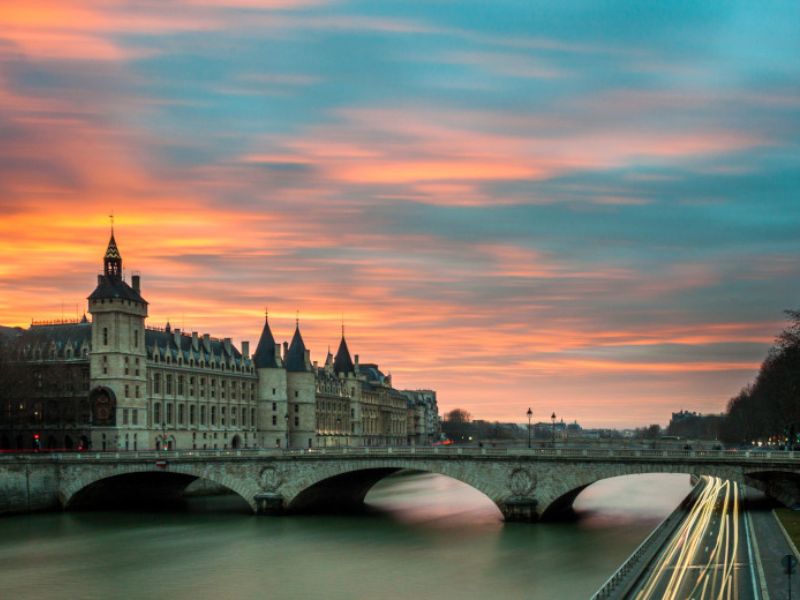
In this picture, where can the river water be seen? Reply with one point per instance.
(427, 536)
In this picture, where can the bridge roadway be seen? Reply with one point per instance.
(526, 484)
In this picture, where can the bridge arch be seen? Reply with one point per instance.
(556, 498)
(342, 486)
(81, 486)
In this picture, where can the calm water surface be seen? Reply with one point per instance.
(428, 537)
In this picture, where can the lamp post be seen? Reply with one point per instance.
(530, 415)
(553, 417)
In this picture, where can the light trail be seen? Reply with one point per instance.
(701, 561)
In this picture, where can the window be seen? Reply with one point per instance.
(105, 365)
(274, 406)
(213, 415)
(180, 385)
(157, 383)
(168, 384)
(137, 391)
(126, 390)
(135, 419)
(222, 417)
(181, 414)
(137, 367)
(127, 368)
(191, 414)
(273, 391)
(233, 415)
(124, 416)
(157, 412)
(296, 393)
(274, 420)
(169, 413)
(296, 408)
(297, 421)
(136, 340)
(244, 417)
(252, 417)
(105, 336)
(202, 415)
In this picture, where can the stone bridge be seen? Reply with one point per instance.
(525, 484)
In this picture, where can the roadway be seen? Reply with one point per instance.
(710, 556)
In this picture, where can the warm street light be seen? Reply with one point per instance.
(553, 417)
(530, 414)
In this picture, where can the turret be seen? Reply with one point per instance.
(273, 413)
(301, 387)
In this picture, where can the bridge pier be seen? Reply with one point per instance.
(270, 504)
(519, 510)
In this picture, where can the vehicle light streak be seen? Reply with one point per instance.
(700, 561)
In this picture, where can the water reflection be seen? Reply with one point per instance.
(426, 536)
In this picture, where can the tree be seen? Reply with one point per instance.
(458, 415)
(770, 406)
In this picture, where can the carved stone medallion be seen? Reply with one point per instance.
(271, 479)
(521, 482)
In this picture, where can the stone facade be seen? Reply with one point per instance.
(114, 383)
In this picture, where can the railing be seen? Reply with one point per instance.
(626, 575)
(569, 454)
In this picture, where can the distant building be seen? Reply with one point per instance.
(693, 425)
(114, 383)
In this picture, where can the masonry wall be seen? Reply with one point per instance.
(28, 488)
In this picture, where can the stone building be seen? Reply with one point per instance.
(114, 383)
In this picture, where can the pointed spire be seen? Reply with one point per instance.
(112, 261)
(296, 355)
(343, 363)
(265, 358)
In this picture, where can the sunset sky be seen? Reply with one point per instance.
(588, 208)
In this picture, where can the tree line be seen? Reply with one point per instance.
(769, 407)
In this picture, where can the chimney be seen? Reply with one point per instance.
(245, 349)
(226, 342)
(177, 334)
(135, 280)
(355, 364)
(207, 342)
(99, 279)
(307, 358)
(285, 348)
(195, 341)
(277, 354)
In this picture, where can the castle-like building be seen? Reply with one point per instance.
(113, 383)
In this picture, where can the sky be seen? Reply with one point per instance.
(588, 208)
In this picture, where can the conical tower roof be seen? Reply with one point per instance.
(343, 363)
(264, 358)
(296, 355)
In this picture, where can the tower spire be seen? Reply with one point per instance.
(112, 261)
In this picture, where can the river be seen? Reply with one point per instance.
(427, 536)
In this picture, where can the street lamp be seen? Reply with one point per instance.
(530, 415)
(553, 417)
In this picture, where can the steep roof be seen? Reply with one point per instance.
(171, 342)
(343, 363)
(110, 288)
(296, 355)
(264, 358)
(63, 336)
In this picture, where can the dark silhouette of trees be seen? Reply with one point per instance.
(770, 406)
